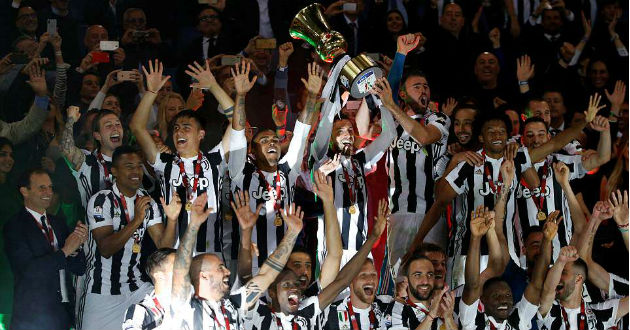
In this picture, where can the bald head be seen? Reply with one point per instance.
(209, 276)
(94, 35)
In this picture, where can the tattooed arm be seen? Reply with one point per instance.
(276, 261)
(313, 86)
(183, 257)
(69, 150)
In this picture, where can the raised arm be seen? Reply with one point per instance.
(423, 134)
(619, 204)
(138, 123)
(352, 268)
(565, 137)
(21, 130)
(313, 85)
(277, 260)
(535, 286)
(596, 273)
(180, 290)
(601, 125)
(330, 268)
(246, 221)
(375, 150)
(567, 254)
(508, 172)
(110, 81)
(561, 174)
(479, 226)
(74, 155)
(164, 235)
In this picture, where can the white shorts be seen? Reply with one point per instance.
(107, 312)
(403, 228)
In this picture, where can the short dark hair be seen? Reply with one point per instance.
(492, 281)
(533, 120)
(581, 265)
(187, 113)
(96, 123)
(300, 249)
(532, 230)
(156, 258)
(492, 116)
(415, 256)
(429, 247)
(25, 178)
(464, 106)
(6, 142)
(412, 73)
(122, 150)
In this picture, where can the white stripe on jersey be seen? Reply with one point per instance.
(471, 183)
(119, 273)
(554, 199)
(411, 189)
(91, 176)
(212, 167)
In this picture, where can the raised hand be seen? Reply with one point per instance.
(524, 68)
(37, 81)
(386, 64)
(602, 211)
(330, 165)
(470, 157)
(381, 219)
(293, 218)
(195, 99)
(434, 310)
(154, 77)
(561, 172)
(141, 206)
(314, 82)
(6, 64)
(55, 41)
(199, 212)
(111, 80)
(203, 75)
(172, 209)
(474, 23)
(382, 89)
(600, 124)
(449, 106)
(619, 205)
(511, 149)
(550, 228)
(323, 187)
(567, 51)
(586, 25)
(617, 96)
(593, 107)
(479, 224)
(407, 42)
(568, 254)
(240, 204)
(507, 172)
(74, 112)
(284, 51)
(240, 72)
(495, 37)
(447, 304)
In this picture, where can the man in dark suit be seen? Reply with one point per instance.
(42, 254)
(351, 24)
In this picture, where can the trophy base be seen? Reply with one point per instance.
(359, 75)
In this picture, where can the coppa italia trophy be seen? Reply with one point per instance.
(357, 75)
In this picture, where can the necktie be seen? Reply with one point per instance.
(49, 234)
(355, 37)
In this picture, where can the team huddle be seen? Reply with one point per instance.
(488, 237)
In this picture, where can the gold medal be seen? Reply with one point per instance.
(189, 206)
(228, 216)
(278, 221)
(135, 248)
(352, 210)
(541, 216)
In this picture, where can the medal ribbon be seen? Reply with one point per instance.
(495, 189)
(278, 185)
(581, 317)
(123, 203)
(412, 304)
(294, 325)
(540, 200)
(182, 172)
(158, 306)
(353, 319)
(50, 237)
(100, 159)
(351, 183)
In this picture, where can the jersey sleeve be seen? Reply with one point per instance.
(606, 312)
(457, 177)
(523, 313)
(98, 211)
(295, 153)
(522, 161)
(238, 152)
(309, 309)
(575, 165)
(467, 314)
(237, 298)
(441, 122)
(160, 161)
(617, 287)
(154, 217)
(136, 318)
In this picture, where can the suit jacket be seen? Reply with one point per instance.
(339, 24)
(37, 291)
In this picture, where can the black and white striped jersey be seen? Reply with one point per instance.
(472, 317)
(261, 317)
(119, 273)
(410, 316)
(338, 317)
(598, 316)
(551, 197)
(95, 175)
(472, 185)
(263, 190)
(411, 166)
(199, 313)
(145, 315)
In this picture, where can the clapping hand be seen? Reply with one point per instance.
(246, 218)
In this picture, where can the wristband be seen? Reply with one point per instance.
(623, 230)
(523, 83)
(614, 37)
(58, 53)
(152, 92)
(623, 226)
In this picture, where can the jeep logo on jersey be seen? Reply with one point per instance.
(203, 182)
(486, 189)
(527, 193)
(262, 193)
(407, 145)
